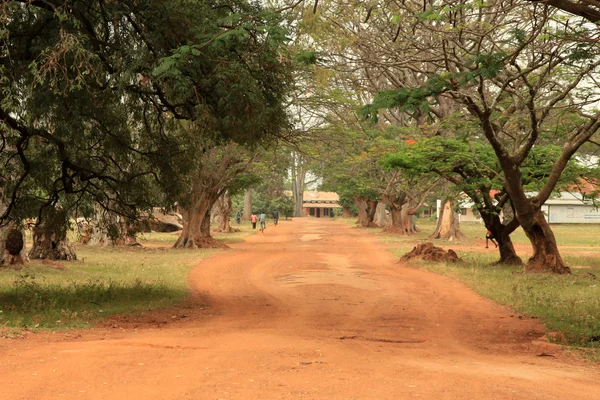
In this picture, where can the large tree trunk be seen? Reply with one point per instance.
(399, 210)
(298, 193)
(50, 238)
(107, 228)
(361, 204)
(381, 215)
(127, 233)
(196, 224)
(298, 183)
(546, 257)
(94, 231)
(508, 255)
(400, 222)
(501, 230)
(223, 208)
(247, 204)
(448, 226)
(366, 212)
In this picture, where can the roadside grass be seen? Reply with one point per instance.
(167, 239)
(104, 281)
(569, 304)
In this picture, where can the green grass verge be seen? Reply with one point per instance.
(105, 281)
(569, 304)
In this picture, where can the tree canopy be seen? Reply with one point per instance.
(93, 95)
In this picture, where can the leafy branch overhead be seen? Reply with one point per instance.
(98, 97)
(421, 98)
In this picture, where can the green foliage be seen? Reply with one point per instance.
(307, 58)
(97, 97)
(420, 98)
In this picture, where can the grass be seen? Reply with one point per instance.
(569, 304)
(105, 281)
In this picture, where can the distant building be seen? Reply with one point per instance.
(563, 208)
(571, 208)
(320, 204)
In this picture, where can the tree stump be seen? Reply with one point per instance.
(429, 252)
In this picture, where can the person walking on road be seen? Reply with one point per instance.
(238, 217)
(253, 219)
(263, 221)
(275, 217)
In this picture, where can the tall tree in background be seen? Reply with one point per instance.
(516, 73)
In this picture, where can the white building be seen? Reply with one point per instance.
(570, 208)
(563, 208)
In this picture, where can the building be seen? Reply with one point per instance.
(320, 204)
(571, 208)
(563, 208)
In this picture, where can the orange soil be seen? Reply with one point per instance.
(310, 309)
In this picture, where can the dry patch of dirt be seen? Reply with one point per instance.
(283, 317)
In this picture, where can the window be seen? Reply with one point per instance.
(463, 211)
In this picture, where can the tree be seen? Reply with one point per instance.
(50, 237)
(298, 173)
(517, 79)
(471, 168)
(222, 213)
(94, 93)
(448, 225)
(217, 168)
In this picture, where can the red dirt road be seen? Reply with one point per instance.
(310, 309)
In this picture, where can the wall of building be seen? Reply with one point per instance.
(466, 215)
(571, 214)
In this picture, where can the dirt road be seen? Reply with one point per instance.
(310, 309)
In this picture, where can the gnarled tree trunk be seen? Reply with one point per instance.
(94, 231)
(222, 210)
(381, 215)
(399, 210)
(501, 232)
(107, 228)
(366, 211)
(546, 257)
(508, 255)
(127, 233)
(50, 238)
(448, 226)
(196, 223)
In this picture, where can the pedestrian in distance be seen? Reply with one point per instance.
(253, 219)
(238, 217)
(490, 237)
(263, 221)
(275, 217)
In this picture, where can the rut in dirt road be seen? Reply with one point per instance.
(311, 309)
